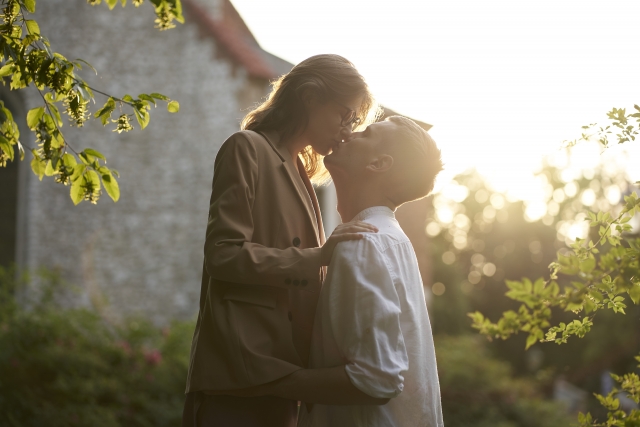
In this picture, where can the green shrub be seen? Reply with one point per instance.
(72, 368)
(480, 391)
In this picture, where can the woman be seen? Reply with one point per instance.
(265, 244)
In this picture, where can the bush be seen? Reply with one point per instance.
(72, 368)
(480, 391)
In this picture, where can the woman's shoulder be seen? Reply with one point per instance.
(248, 138)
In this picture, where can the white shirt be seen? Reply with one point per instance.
(372, 317)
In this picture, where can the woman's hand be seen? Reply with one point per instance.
(342, 233)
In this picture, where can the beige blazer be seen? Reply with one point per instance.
(262, 274)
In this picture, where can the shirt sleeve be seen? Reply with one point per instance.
(365, 318)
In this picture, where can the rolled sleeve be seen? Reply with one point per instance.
(365, 318)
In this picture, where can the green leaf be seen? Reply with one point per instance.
(142, 116)
(56, 113)
(634, 293)
(84, 90)
(173, 107)
(78, 171)
(177, 11)
(159, 96)
(111, 185)
(30, 5)
(146, 97)
(5, 145)
(589, 305)
(588, 265)
(105, 112)
(112, 3)
(87, 64)
(33, 117)
(92, 176)
(32, 27)
(37, 165)
(76, 192)
(531, 340)
(7, 70)
(69, 160)
(94, 153)
(48, 170)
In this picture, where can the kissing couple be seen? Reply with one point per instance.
(287, 316)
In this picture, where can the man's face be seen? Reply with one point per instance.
(353, 156)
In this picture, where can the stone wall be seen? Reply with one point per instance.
(142, 255)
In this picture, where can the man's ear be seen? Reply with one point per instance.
(380, 164)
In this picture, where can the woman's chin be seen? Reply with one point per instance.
(323, 151)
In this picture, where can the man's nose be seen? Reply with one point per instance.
(352, 135)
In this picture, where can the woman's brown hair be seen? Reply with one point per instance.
(328, 77)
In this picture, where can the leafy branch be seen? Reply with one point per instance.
(622, 126)
(601, 280)
(27, 60)
(166, 10)
(630, 387)
(602, 272)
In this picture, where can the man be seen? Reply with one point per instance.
(372, 357)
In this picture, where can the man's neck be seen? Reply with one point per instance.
(353, 199)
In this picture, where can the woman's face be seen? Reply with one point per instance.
(325, 130)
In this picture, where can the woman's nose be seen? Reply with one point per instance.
(345, 133)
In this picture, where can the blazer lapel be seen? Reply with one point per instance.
(314, 201)
(306, 194)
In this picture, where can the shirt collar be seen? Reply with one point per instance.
(373, 211)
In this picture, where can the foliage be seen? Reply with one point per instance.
(27, 60)
(603, 272)
(72, 368)
(167, 11)
(479, 390)
(479, 237)
(629, 386)
(620, 126)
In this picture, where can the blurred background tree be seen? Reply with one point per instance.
(598, 273)
(480, 238)
(479, 389)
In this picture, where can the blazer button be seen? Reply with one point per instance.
(296, 242)
(290, 316)
(287, 281)
(296, 282)
(304, 283)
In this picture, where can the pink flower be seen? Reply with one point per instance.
(153, 357)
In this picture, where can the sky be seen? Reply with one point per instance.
(504, 83)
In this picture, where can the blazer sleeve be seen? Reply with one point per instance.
(230, 254)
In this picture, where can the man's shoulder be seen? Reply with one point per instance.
(389, 233)
(371, 244)
(356, 251)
